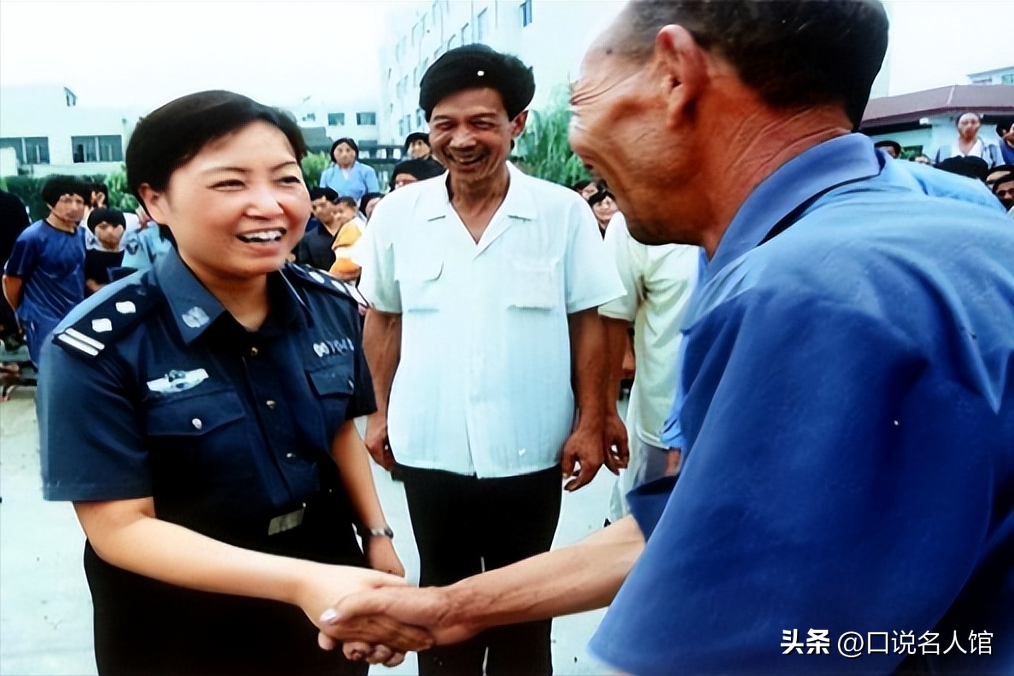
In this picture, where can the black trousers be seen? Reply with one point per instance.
(464, 525)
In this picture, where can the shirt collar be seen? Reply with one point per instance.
(813, 172)
(435, 204)
(195, 309)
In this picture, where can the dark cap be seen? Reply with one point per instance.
(970, 167)
(473, 67)
(887, 143)
(420, 169)
(417, 136)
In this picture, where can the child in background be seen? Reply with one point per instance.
(107, 225)
(348, 234)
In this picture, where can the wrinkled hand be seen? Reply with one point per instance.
(381, 555)
(321, 586)
(615, 445)
(427, 608)
(582, 457)
(377, 442)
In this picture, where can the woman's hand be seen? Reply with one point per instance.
(380, 554)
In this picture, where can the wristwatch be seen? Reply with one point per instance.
(382, 532)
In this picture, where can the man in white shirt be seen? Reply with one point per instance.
(657, 281)
(482, 337)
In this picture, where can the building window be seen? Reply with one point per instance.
(366, 119)
(466, 34)
(401, 127)
(420, 118)
(70, 97)
(110, 148)
(452, 43)
(31, 150)
(1007, 78)
(526, 12)
(336, 119)
(480, 25)
(310, 117)
(96, 149)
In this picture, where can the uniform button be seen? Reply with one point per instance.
(290, 456)
(270, 403)
(254, 351)
(352, 383)
(196, 422)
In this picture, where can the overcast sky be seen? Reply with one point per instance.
(142, 53)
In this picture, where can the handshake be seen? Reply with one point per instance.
(383, 621)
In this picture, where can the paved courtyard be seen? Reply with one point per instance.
(45, 609)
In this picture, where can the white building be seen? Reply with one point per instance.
(549, 35)
(355, 119)
(51, 134)
(1004, 76)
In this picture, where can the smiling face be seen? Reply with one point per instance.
(604, 210)
(237, 208)
(471, 134)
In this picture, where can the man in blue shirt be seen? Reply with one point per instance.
(44, 277)
(846, 503)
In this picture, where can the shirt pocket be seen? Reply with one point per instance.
(334, 386)
(199, 437)
(420, 284)
(534, 285)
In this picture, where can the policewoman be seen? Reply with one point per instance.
(199, 415)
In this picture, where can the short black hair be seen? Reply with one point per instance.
(477, 66)
(419, 169)
(957, 120)
(417, 136)
(329, 193)
(348, 201)
(99, 187)
(599, 196)
(791, 52)
(111, 216)
(58, 186)
(581, 185)
(347, 141)
(366, 200)
(169, 137)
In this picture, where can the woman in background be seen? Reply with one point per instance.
(347, 176)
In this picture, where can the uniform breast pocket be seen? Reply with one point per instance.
(334, 385)
(534, 285)
(201, 436)
(421, 285)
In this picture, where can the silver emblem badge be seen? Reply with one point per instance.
(126, 307)
(178, 381)
(195, 318)
(317, 277)
(101, 325)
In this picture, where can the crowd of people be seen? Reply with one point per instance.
(820, 430)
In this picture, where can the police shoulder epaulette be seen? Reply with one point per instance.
(100, 326)
(315, 278)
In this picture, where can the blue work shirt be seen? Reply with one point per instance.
(362, 179)
(225, 428)
(848, 410)
(50, 264)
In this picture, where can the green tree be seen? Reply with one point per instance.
(313, 166)
(119, 194)
(542, 149)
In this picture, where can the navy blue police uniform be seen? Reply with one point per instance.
(150, 388)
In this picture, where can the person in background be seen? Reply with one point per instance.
(107, 226)
(586, 188)
(314, 248)
(1005, 130)
(218, 475)
(482, 335)
(14, 219)
(968, 166)
(1003, 188)
(417, 146)
(410, 171)
(922, 159)
(969, 143)
(44, 276)
(145, 245)
(350, 229)
(368, 203)
(603, 204)
(346, 175)
(892, 148)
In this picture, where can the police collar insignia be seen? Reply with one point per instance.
(126, 307)
(195, 318)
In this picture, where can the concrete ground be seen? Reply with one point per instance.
(45, 607)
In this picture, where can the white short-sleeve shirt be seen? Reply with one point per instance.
(483, 385)
(658, 281)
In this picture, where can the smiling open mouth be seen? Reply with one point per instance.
(261, 236)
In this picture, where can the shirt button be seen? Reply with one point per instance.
(196, 422)
(270, 403)
(290, 456)
(254, 351)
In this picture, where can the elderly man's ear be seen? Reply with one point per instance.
(685, 64)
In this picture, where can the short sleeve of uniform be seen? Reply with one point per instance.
(92, 446)
(374, 252)
(590, 276)
(829, 486)
(621, 250)
(363, 401)
(24, 256)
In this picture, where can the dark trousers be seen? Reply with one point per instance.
(464, 525)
